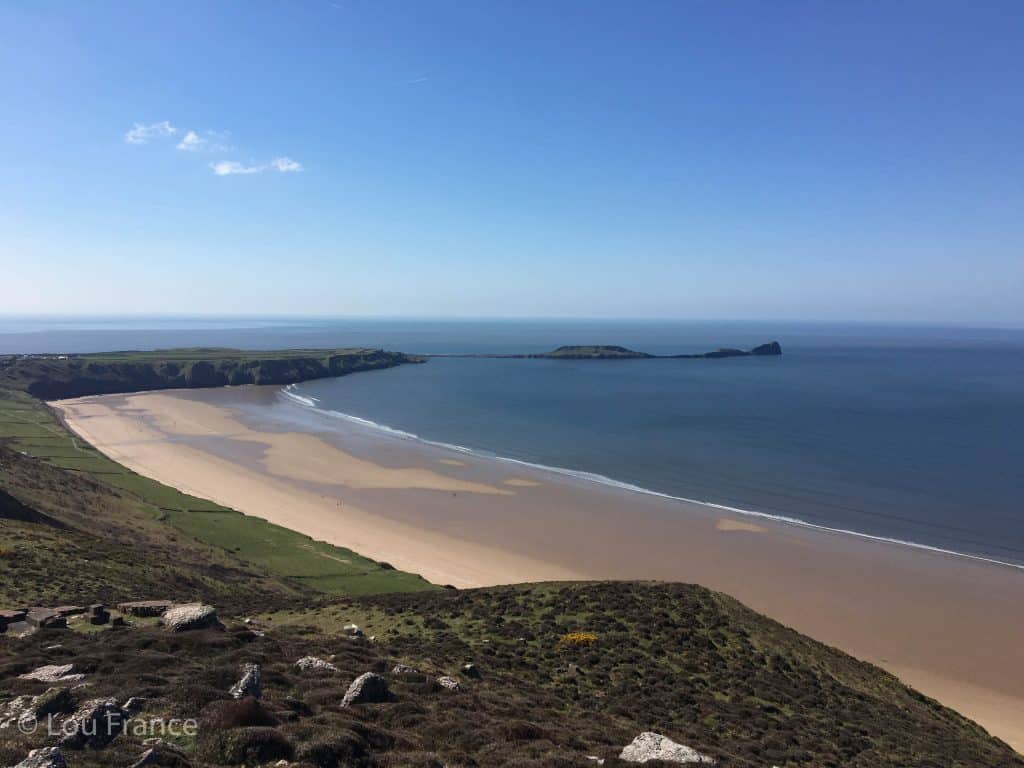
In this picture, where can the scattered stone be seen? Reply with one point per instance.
(250, 684)
(450, 683)
(313, 664)
(94, 725)
(145, 608)
(181, 618)
(18, 710)
(653, 746)
(401, 670)
(471, 671)
(353, 631)
(53, 673)
(45, 618)
(368, 688)
(47, 757)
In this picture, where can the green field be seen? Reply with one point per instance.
(30, 427)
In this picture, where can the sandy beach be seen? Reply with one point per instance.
(952, 627)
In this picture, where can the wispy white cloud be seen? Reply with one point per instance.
(141, 133)
(285, 165)
(209, 141)
(233, 167)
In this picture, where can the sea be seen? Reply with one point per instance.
(906, 433)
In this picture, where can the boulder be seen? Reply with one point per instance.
(94, 725)
(16, 711)
(47, 757)
(450, 683)
(24, 711)
(181, 618)
(368, 688)
(653, 746)
(53, 673)
(353, 631)
(313, 664)
(471, 671)
(250, 684)
(145, 608)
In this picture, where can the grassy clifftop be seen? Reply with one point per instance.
(97, 500)
(51, 377)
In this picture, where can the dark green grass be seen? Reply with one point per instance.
(284, 552)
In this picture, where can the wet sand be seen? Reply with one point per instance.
(951, 627)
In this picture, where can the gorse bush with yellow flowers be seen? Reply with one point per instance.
(578, 638)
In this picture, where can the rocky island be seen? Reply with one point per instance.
(613, 352)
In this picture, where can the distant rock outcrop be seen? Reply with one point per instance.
(653, 746)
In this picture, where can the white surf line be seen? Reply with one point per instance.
(311, 403)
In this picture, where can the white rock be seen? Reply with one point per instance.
(47, 757)
(53, 673)
(450, 683)
(179, 618)
(653, 746)
(313, 664)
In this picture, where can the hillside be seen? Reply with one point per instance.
(561, 671)
(52, 377)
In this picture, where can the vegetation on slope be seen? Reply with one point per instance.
(41, 446)
(676, 659)
(52, 377)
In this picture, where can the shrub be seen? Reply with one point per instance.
(578, 639)
(244, 713)
(249, 746)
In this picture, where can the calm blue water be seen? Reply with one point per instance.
(908, 433)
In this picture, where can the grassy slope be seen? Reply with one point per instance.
(676, 659)
(28, 426)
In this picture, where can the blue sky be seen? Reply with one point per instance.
(800, 160)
